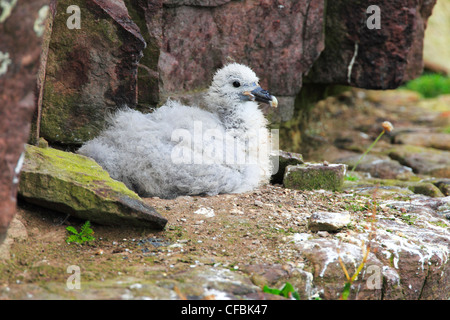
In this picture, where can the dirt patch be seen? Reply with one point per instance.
(230, 231)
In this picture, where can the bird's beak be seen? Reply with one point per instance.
(261, 95)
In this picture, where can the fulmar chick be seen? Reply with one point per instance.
(185, 150)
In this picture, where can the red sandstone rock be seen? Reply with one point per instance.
(20, 46)
(372, 58)
(279, 40)
(100, 67)
(90, 71)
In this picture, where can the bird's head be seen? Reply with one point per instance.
(235, 84)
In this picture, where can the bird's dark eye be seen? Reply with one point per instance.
(236, 84)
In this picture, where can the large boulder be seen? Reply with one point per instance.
(91, 70)
(279, 41)
(423, 160)
(378, 166)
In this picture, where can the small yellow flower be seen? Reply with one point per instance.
(387, 126)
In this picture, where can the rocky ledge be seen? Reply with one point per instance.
(391, 219)
(231, 246)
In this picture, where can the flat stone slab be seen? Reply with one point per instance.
(423, 160)
(437, 140)
(430, 188)
(77, 185)
(378, 166)
(313, 176)
(328, 221)
(408, 258)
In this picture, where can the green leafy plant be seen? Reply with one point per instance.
(356, 207)
(351, 178)
(430, 85)
(408, 219)
(287, 291)
(85, 234)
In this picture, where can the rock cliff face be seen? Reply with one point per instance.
(21, 30)
(140, 52)
(90, 69)
(280, 41)
(360, 54)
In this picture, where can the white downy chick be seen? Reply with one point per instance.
(185, 150)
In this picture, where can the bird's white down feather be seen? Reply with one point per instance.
(185, 150)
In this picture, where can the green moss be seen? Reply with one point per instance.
(70, 166)
(313, 177)
(69, 114)
(427, 189)
(430, 85)
(407, 148)
(91, 25)
(441, 224)
(56, 113)
(77, 185)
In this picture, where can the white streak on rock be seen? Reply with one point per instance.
(39, 24)
(5, 61)
(7, 8)
(352, 62)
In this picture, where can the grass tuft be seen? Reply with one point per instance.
(430, 85)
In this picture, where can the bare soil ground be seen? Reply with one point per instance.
(232, 230)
